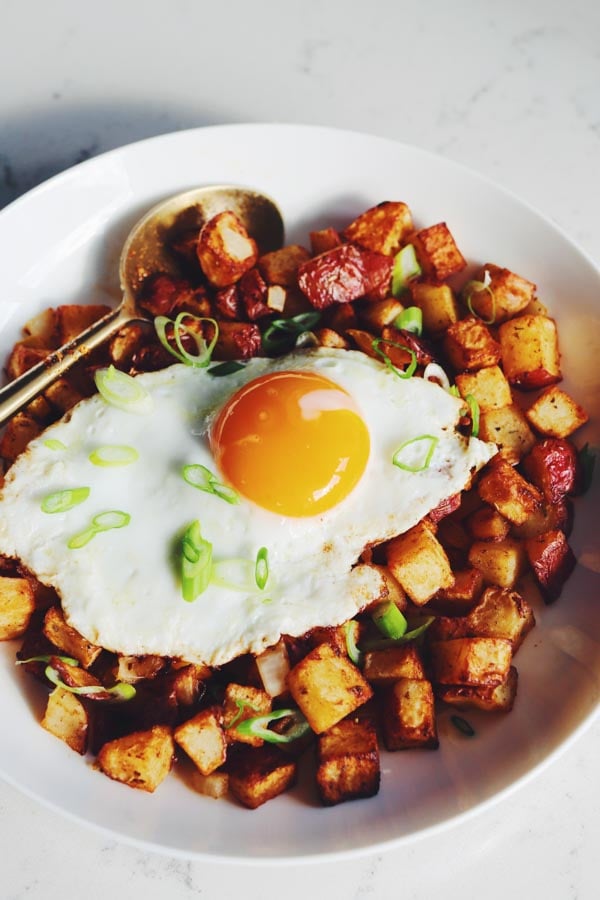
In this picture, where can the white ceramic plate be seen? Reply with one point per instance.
(60, 244)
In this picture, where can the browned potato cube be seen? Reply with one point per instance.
(530, 354)
(225, 249)
(126, 344)
(243, 702)
(437, 303)
(17, 604)
(41, 329)
(488, 386)
(510, 294)
(347, 762)
(203, 739)
(508, 492)
(68, 639)
(186, 683)
(552, 561)
(469, 345)
(376, 314)
(437, 252)
(73, 318)
(500, 562)
(556, 414)
(259, 774)
(21, 429)
(408, 715)
(501, 613)
(327, 687)
(281, 266)
(141, 760)
(488, 698)
(131, 669)
(486, 524)
(549, 517)
(66, 718)
(237, 340)
(418, 561)
(476, 660)
(508, 428)
(276, 297)
(327, 337)
(62, 395)
(323, 240)
(461, 595)
(215, 785)
(383, 667)
(22, 358)
(382, 228)
(340, 317)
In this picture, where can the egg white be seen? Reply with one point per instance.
(121, 590)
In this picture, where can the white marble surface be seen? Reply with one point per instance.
(511, 89)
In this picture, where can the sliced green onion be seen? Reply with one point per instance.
(105, 521)
(434, 372)
(587, 461)
(200, 359)
(412, 367)
(54, 444)
(226, 368)
(354, 654)
(113, 455)
(410, 319)
(61, 501)
(202, 478)
(477, 287)
(454, 391)
(406, 267)
(261, 568)
(196, 563)
(46, 657)
(408, 636)
(430, 442)
(463, 726)
(389, 620)
(241, 705)
(258, 727)
(474, 409)
(281, 335)
(123, 391)
(120, 691)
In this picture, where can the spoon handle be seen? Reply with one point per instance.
(26, 387)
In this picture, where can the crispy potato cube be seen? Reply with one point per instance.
(273, 666)
(62, 395)
(327, 337)
(259, 774)
(509, 296)
(73, 318)
(486, 524)
(348, 762)
(215, 785)
(187, 683)
(469, 345)
(408, 715)
(508, 492)
(67, 718)
(437, 252)
(17, 604)
(530, 354)
(281, 266)
(488, 698)
(500, 562)
(437, 303)
(376, 314)
(383, 667)
(488, 386)
(340, 317)
(462, 593)
(556, 414)
(327, 687)
(132, 669)
(21, 429)
(553, 466)
(141, 760)
(536, 308)
(501, 613)
(549, 517)
(22, 358)
(243, 702)
(203, 739)
(419, 563)
(125, 344)
(382, 228)
(41, 328)
(77, 677)
(237, 340)
(552, 561)
(323, 240)
(476, 660)
(68, 639)
(276, 297)
(225, 249)
(509, 430)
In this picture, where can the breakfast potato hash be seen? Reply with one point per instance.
(317, 643)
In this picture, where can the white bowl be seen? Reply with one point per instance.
(61, 244)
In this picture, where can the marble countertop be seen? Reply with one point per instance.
(512, 90)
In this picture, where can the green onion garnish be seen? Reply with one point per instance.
(120, 691)
(258, 726)
(61, 501)
(123, 391)
(406, 267)
(202, 478)
(411, 635)
(406, 460)
(113, 455)
(454, 391)
(474, 409)
(236, 574)
(412, 367)
(410, 319)
(196, 563)
(463, 726)
(241, 705)
(587, 462)
(226, 368)
(389, 620)
(282, 334)
(177, 327)
(106, 521)
(354, 654)
(261, 569)
(476, 287)
(54, 444)
(46, 657)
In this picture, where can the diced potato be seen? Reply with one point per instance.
(476, 660)
(462, 593)
(553, 466)
(551, 560)
(383, 667)
(281, 266)
(376, 314)
(327, 687)
(508, 492)
(469, 345)
(382, 228)
(506, 296)
(42, 328)
(126, 344)
(327, 337)
(17, 605)
(486, 524)
(73, 318)
(556, 414)
(243, 702)
(141, 760)
(259, 774)
(203, 739)
(273, 667)
(488, 698)
(530, 354)
(67, 718)
(225, 249)
(22, 358)
(215, 785)
(488, 386)
(187, 683)
(501, 562)
(323, 240)
(508, 428)
(21, 429)
(276, 297)
(340, 317)
(347, 762)
(549, 517)
(500, 613)
(237, 340)
(68, 639)
(437, 303)
(131, 669)
(62, 395)
(418, 562)
(437, 252)
(408, 715)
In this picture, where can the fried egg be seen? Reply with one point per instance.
(303, 445)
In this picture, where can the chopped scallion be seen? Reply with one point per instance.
(168, 328)
(61, 501)
(410, 319)
(226, 368)
(354, 654)
(202, 478)
(54, 444)
(411, 635)
(411, 368)
(46, 657)
(258, 726)
(123, 391)
(281, 334)
(474, 409)
(242, 705)
(478, 287)
(106, 521)
(195, 563)
(119, 691)
(406, 268)
(389, 620)
(405, 458)
(261, 568)
(113, 455)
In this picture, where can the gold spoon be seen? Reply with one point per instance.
(145, 252)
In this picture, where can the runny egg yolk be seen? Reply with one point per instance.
(292, 442)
